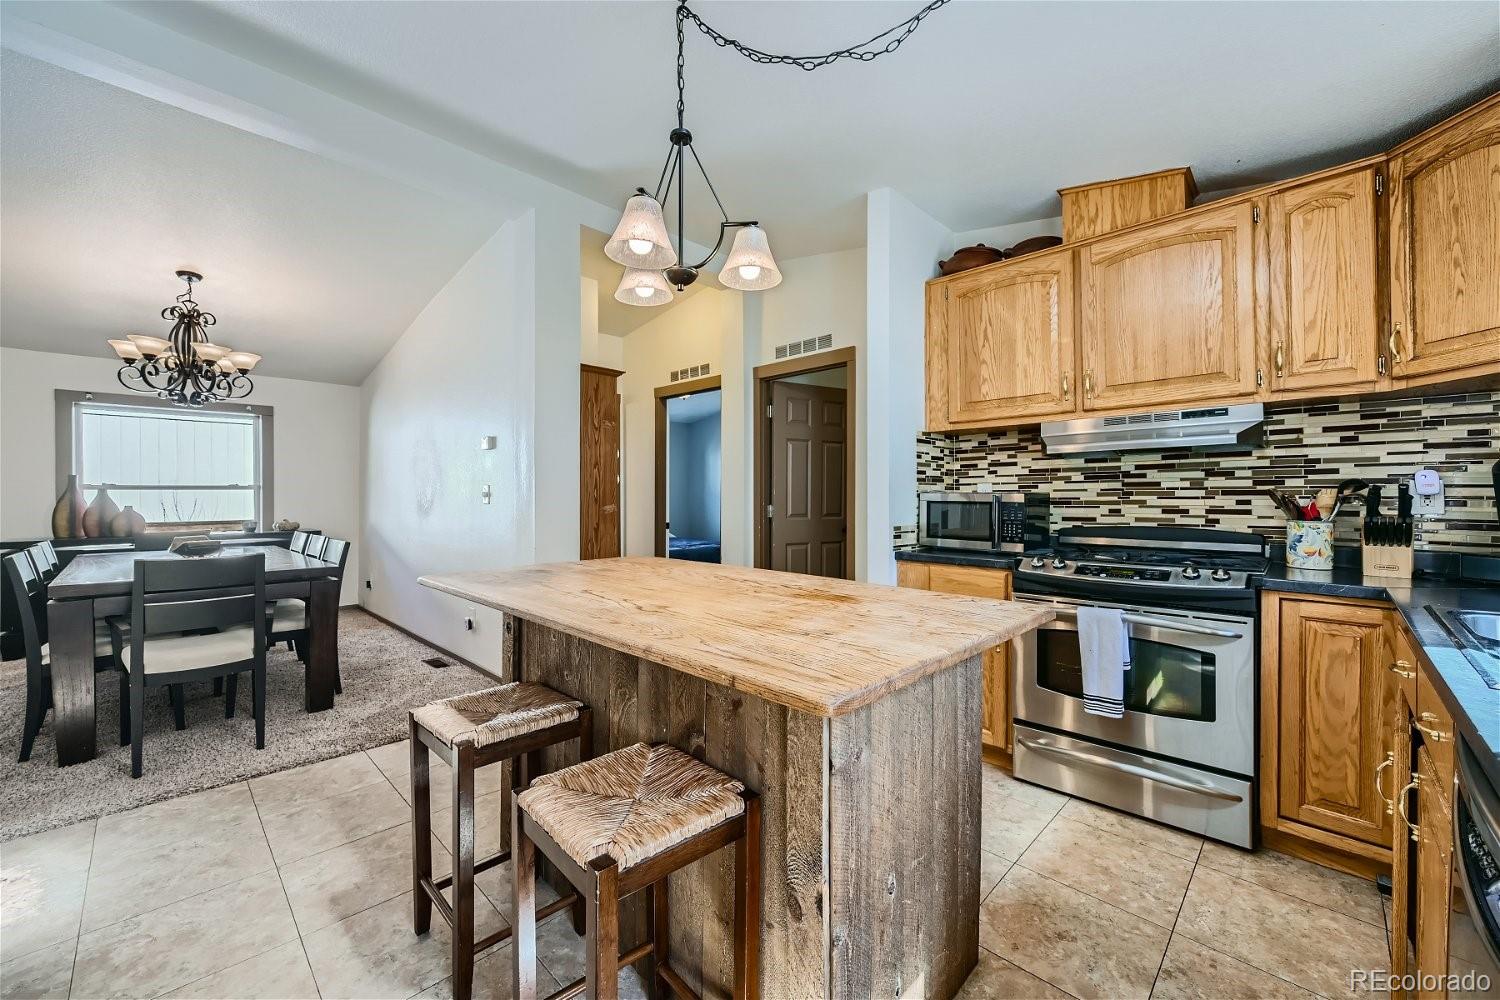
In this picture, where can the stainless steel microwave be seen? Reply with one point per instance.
(983, 522)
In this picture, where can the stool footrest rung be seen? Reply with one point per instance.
(482, 865)
(573, 989)
(435, 894)
(677, 984)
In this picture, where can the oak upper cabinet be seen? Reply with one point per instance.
(1007, 335)
(1167, 311)
(1336, 701)
(1445, 246)
(1324, 312)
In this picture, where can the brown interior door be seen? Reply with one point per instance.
(599, 465)
(808, 519)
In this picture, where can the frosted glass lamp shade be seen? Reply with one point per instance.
(226, 366)
(750, 266)
(149, 347)
(643, 287)
(209, 352)
(641, 240)
(126, 350)
(242, 360)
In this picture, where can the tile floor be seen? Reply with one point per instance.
(296, 885)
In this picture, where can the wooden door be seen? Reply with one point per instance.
(1434, 877)
(808, 520)
(1445, 246)
(1337, 698)
(995, 712)
(1009, 335)
(599, 464)
(1324, 325)
(1168, 312)
(1403, 855)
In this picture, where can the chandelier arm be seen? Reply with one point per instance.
(862, 51)
(670, 173)
(722, 214)
(663, 177)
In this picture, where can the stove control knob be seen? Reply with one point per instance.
(1190, 572)
(1037, 562)
(1220, 575)
(1058, 562)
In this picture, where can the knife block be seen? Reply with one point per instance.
(1386, 560)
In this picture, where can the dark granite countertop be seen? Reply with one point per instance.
(1475, 706)
(957, 557)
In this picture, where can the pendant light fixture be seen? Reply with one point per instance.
(185, 367)
(643, 243)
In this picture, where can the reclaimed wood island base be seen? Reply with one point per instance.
(853, 710)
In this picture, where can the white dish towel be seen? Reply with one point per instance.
(1104, 645)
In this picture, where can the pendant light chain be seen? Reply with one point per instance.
(864, 52)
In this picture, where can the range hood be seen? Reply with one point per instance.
(1209, 427)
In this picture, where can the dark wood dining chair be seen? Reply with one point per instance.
(298, 541)
(191, 620)
(315, 545)
(289, 615)
(31, 607)
(43, 560)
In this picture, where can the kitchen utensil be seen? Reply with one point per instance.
(1325, 501)
(1284, 505)
(1403, 501)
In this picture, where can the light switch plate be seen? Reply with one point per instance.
(484, 494)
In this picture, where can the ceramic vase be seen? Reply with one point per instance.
(97, 518)
(127, 523)
(67, 513)
(1309, 544)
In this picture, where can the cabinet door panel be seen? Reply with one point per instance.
(1445, 247)
(1169, 312)
(1434, 878)
(1010, 340)
(1403, 873)
(1324, 308)
(994, 583)
(1337, 700)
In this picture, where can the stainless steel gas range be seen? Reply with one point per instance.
(1184, 753)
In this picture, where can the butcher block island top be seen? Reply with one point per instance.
(822, 646)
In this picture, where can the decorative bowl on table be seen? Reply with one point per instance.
(195, 545)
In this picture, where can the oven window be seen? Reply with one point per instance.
(1172, 681)
(960, 520)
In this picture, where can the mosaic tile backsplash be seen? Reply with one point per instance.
(1306, 447)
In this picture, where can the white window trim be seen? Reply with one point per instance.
(67, 425)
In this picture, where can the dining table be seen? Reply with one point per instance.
(96, 586)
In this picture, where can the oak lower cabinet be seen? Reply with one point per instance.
(1167, 311)
(1004, 338)
(1434, 842)
(1445, 246)
(975, 581)
(1328, 698)
(1324, 301)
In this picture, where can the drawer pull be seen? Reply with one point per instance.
(1067, 386)
(1390, 804)
(1402, 669)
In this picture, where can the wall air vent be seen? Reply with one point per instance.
(697, 371)
(795, 348)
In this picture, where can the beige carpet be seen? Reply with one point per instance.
(384, 676)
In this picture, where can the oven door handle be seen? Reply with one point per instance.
(1131, 769)
(1161, 623)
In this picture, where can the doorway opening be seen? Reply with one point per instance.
(804, 465)
(689, 471)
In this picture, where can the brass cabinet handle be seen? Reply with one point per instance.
(1402, 668)
(1280, 361)
(1436, 735)
(1088, 382)
(1390, 804)
(1401, 809)
(1394, 343)
(1380, 365)
(1067, 386)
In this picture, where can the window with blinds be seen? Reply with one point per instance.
(173, 466)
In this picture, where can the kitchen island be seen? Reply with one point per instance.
(852, 709)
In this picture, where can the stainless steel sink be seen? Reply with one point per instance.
(1476, 634)
(1483, 625)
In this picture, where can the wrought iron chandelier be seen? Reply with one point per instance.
(642, 243)
(186, 367)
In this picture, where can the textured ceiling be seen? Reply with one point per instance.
(983, 113)
(314, 265)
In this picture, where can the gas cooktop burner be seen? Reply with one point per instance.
(1159, 557)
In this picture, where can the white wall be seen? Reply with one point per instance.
(601, 349)
(483, 358)
(315, 460)
(904, 245)
(824, 293)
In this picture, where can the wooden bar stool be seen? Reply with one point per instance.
(621, 823)
(511, 722)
